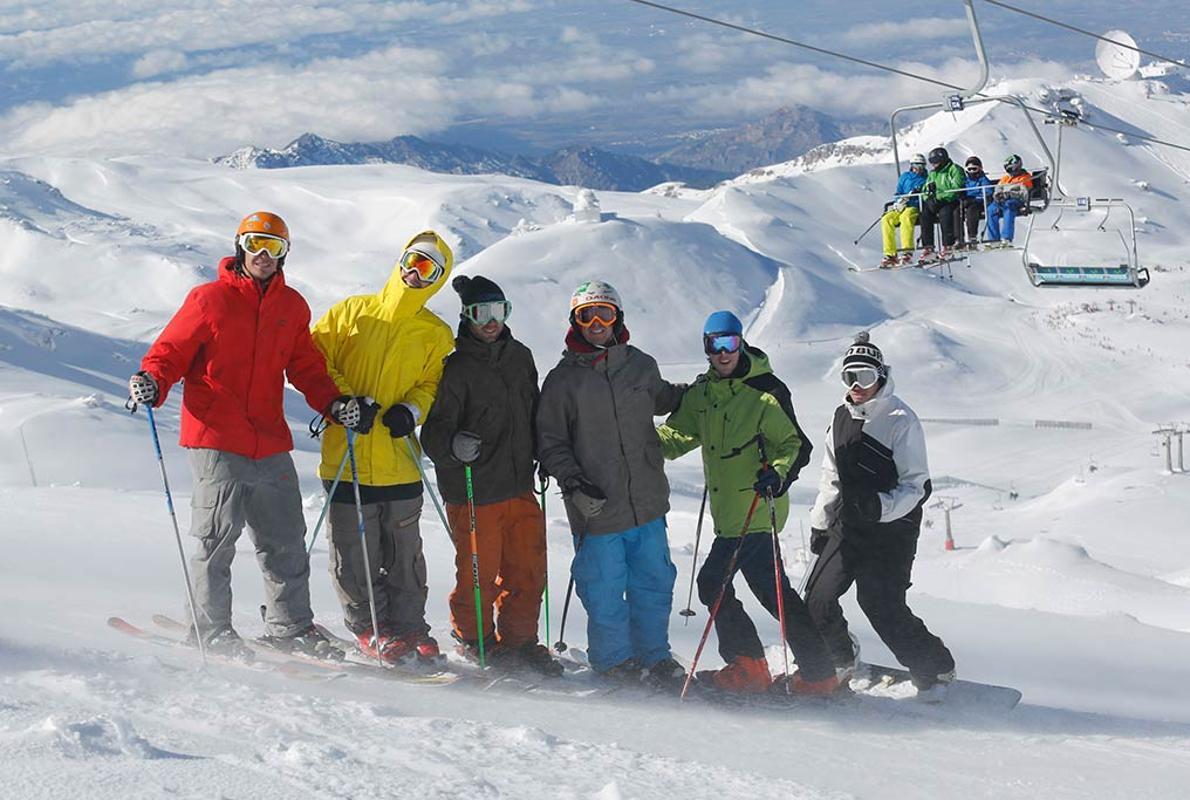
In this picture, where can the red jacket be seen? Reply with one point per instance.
(234, 346)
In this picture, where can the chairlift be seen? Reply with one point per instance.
(1070, 262)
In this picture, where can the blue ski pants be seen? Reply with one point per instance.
(1008, 209)
(625, 581)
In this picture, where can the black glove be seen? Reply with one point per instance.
(543, 475)
(465, 446)
(399, 420)
(860, 506)
(818, 539)
(768, 481)
(588, 498)
(355, 413)
(142, 388)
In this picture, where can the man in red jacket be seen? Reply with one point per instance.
(234, 341)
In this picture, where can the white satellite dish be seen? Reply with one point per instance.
(1118, 63)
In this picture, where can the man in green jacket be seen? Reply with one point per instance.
(752, 450)
(483, 417)
(945, 184)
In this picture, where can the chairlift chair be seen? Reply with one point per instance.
(1069, 268)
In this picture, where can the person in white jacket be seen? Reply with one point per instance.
(867, 518)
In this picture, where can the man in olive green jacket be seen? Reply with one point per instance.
(752, 449)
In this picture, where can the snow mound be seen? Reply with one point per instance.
(101, 737)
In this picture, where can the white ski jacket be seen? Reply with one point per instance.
(878, 446)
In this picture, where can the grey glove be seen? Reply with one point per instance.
(588, 498)
(465, 446)
(818, 539)
(142, 388)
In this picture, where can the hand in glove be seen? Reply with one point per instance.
(399, 420)
(142, 388)
(355, 413)
(465, 446)
(587, 498)
(860, 506)
(768, 481)
(818, 538)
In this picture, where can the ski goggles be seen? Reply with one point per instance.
(863, 377)
(974, 170)
(256, 243)
(426, 268)
(603, 313)
(722, 343)
(485, 312)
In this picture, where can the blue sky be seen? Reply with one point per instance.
(191, 78)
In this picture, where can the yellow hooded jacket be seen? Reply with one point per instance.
(391, 348)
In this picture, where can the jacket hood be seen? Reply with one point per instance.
(228, 273)
(877, 405)
(399, 300)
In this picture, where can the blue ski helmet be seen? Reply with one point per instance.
(723, 322)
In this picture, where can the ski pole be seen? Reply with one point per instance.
(868, 229)
(714, 611)
(543, 485)
(778, 568)
(169, 502)
(409, 440)
(688, 612)
(475, 567)
(363, 543)
(560, 645)
(327, 505)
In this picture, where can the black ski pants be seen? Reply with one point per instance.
(972, 212)
(879, 564)
(737, 634)
(946, 214)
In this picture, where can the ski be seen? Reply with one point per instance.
(340, 667)
(288, 669)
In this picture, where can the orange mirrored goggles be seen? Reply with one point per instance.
(588, 315)
(426, 268)
(254, 243)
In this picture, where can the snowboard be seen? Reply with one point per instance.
(878, 680)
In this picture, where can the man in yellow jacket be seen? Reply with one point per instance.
(388, 347)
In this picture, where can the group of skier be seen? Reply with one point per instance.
(377, 366)
(955, 199)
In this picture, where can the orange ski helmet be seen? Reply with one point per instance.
(263, 222)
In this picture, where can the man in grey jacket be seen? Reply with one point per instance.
(866, 520)
(596, 436)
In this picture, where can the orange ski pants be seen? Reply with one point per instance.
(510, 538)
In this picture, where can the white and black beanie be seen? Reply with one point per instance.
(863, 353)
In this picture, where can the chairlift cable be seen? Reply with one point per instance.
(1085, 32)
(795, 43)
(906, 73)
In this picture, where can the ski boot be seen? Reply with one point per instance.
(821, 688)
(888, 262)
(527, 657)
(933, 688)
(391, 650)
(225, 643)
(626, 672)
(311, 642)
(666, 676)
(425, 647)
(743, 675)
(928, 256)
(906, 259)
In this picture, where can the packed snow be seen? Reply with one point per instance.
(1070, 581)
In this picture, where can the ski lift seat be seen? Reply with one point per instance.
(1039, 195)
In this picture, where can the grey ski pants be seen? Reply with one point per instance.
(395, 556)
(229, 491)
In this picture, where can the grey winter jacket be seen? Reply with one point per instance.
(595, 423)
(489, 390)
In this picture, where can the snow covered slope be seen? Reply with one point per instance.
(1069, 581)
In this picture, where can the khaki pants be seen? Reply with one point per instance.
(395, 556)
(229, 491)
